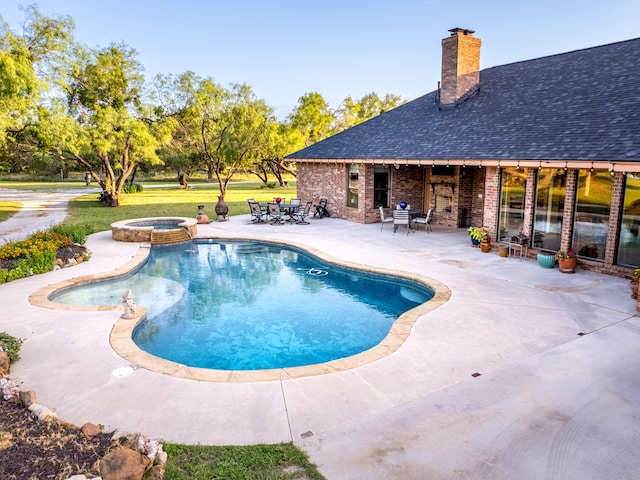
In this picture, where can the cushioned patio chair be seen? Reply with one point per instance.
(258, 214)
(274, 213)
(301, 213)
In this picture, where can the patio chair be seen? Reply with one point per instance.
(384, 219)
(401, 218)
(257, 213)
(321, 209)
(274, 213)
(300, 215)
(426, 221)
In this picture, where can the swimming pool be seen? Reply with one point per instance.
(254, 305)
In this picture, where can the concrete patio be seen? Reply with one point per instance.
(525, 373)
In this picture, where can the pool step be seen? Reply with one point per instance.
(163, 237)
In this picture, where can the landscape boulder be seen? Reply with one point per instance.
(124, 464)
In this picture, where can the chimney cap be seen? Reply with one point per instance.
(462, 31)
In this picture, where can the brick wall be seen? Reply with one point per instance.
(491, 200)
(407, 185)
(329, 180)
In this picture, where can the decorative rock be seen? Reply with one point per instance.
(72, 262)
(27, 397)
(157, 472)
(90, 430)
(5, 363)
(8, 388)
(43, 413)
(123, 464)
(77, 477)
(162, 457)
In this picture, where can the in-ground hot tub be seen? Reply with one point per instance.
(156, 230)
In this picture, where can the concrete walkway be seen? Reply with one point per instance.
(40, 210)
(557, 395)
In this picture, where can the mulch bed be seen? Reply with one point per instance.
(32, 449)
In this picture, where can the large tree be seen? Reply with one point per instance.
(313, 117)
(352, 112)
(109, 130)
(223, 130)
(31, 64)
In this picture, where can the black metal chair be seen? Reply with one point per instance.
(321, 209)
(274, 213)
(257, 213)
(301, 214)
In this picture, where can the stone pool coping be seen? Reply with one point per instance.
(140, 229)
(121, 334)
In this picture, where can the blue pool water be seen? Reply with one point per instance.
(254, 305)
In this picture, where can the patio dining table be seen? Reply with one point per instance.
(285, 208)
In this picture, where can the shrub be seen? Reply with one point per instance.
(77, 233)
(132, 188)
(11, 345)
(41, 262)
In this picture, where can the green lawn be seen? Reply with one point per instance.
(169, 200)
(8, 208)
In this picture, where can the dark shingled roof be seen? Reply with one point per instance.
(580, 105)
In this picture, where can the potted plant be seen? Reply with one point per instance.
(478, 235)
(566, 261)
(633, 284)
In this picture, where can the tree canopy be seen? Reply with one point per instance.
(63, 104)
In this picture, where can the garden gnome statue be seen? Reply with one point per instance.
(129, 305)
(202, 217)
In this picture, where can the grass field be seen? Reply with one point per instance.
(8, 208)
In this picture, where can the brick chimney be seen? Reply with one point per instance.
(460, 66)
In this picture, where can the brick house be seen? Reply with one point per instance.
(548, 147)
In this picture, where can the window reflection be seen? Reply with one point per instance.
(352, 185)
(513, 186)
(550, 193)
(629, 241)
(593, 204)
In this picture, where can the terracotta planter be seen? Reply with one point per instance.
(567, 265)
(634, 289)
(485, 247)
(202, 217)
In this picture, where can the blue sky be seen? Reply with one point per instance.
(286, 48)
